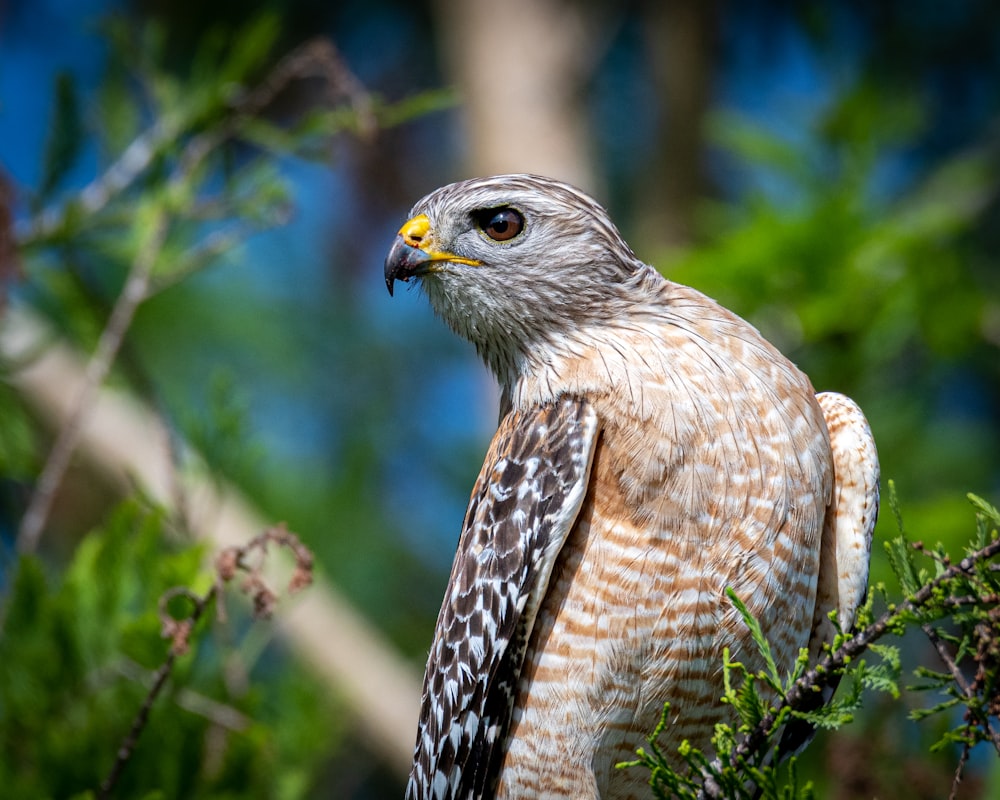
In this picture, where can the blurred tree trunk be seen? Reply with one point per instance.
(679, 40)
(521, 68)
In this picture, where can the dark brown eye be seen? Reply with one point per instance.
(500, 224)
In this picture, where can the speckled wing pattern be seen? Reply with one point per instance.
(523, 506)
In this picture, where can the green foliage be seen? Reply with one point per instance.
(215, 148)
(75, 662)
(18, 437)
(200, 150)
(962, 620)
(223, 428)
(194, 167)
(954, 604)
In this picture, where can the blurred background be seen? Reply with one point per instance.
(830, 171)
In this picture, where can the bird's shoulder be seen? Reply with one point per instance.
(674, 346)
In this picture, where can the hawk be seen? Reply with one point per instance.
(653, 450)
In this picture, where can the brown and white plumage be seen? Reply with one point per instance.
(653, 450)
(850, 517)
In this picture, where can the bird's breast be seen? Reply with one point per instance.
(712, 470)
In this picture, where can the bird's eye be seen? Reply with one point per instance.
(500, 224)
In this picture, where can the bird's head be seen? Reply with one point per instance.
(516, 264)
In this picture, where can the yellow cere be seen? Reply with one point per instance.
(415, 233)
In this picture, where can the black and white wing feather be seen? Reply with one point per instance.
(523, 507)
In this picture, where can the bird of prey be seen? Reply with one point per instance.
(653, 450)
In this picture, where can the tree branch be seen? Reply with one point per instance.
(133, 293)
(833, 663)
(160, 677)
(229, 563)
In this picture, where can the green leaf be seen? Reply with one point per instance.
(772, 676)
(65, 136)
(923, 713)
(250, 47)
(841, 710)
(390, 115)
(19, 440)
(900, 554)
(986, 509)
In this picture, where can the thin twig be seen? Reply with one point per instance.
(132, 295)
(959, 771)
(213, 245)
(127, 747)
(228, 564)
(969, 690)
(138, 724)
(317, 58)
(219, 714)
(314, 59)
(942, 651)
(123, 173)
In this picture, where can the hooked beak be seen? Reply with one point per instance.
(412, 255)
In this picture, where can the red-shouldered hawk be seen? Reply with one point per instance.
(653, 450)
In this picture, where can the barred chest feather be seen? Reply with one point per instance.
(712, 470)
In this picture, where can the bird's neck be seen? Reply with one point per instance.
(527, 363)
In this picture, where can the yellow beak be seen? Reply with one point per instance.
(412, 253)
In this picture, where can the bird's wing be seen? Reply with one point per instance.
(850, 518)
(523, 507)
(846, 546)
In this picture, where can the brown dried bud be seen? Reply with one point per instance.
(301, 578)
(264, 601)
(227, 562)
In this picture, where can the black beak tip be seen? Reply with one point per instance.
(403, 262)
(392, 267)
